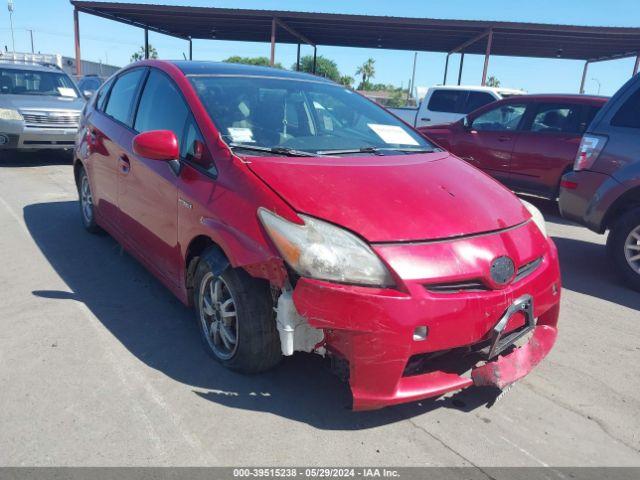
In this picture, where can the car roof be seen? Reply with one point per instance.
(189, 67)
(478, 88)
(555, 97)
(30, 66)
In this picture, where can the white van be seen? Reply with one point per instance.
(448, 104)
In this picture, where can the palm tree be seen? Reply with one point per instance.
(367, 70)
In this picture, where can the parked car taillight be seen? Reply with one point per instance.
(590, 148)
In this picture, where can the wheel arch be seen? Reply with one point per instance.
(625, 202)
(197, 246)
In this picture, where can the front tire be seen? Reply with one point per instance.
(235, 317)
(624, 247)
(87, 209)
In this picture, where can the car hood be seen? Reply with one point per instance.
(393, 198)
(37, 102)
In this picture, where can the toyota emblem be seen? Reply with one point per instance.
(502, 270)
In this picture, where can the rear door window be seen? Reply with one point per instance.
(123, 96)
(629, 113)
(475, 100)
(557, 118)
(450, 101)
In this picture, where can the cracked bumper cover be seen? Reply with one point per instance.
(373, 328)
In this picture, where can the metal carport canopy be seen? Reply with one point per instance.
(587, 43)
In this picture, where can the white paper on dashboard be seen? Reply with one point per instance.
(241, 134)
(392, 134)
(66, 92)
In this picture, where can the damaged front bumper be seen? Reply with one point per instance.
(373, 329)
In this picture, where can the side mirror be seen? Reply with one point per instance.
(87, 94)
(156, 145)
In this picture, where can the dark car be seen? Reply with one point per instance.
(292, 213)
(526, 142)
(89, 84)
(603, 190)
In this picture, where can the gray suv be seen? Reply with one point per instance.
(603, 190)
(39, 107)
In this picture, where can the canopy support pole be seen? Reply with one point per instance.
(315, 59)
(636, 65)
(487, 54)
(584, 76)
(274, 26)
(446, 68)
(460, 70)
(190, 49)
(146, 43)
(76, 35)
(298, 59)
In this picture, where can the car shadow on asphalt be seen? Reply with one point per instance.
(34, 159)
(586, 268)
(161, 332)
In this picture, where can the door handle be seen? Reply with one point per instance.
(124, 164)
(424, 119)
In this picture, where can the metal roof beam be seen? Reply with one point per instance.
(471, 41)
(294, 32)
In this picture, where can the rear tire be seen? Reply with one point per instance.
(624, 247)
(235, 317)
(87, 209)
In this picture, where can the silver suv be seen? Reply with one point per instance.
(39, 107)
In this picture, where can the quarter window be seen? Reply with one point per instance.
(102, 95)
(122, 97)
(502, 118)
(629, 113)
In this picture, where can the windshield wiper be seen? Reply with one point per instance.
(374, 150)
(378, 150)
(290, 152)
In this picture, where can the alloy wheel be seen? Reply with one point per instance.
(632, 249)
(218, 316)
(86, 200)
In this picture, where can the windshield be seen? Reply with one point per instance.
(34, 82)
(301, 115)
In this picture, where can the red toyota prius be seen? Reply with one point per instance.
(296, 215)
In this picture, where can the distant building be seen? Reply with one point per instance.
(67, 64)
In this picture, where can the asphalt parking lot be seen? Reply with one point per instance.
(100, 365)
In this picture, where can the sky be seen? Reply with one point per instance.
(111, 42)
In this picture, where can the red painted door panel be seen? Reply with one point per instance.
(539, 160)
(489, 151)
(147, 197)
(102, 145)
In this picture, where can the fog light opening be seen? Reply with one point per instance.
(420, 333)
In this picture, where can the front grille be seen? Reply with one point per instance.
(455, 287)
(527, 269)
(477, 285)
(51, 119)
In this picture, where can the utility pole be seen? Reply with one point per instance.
(413, 76)
(10, 8)
(31, 33)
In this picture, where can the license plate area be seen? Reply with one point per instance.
(500, 340)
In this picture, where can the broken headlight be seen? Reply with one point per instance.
(317, 249)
